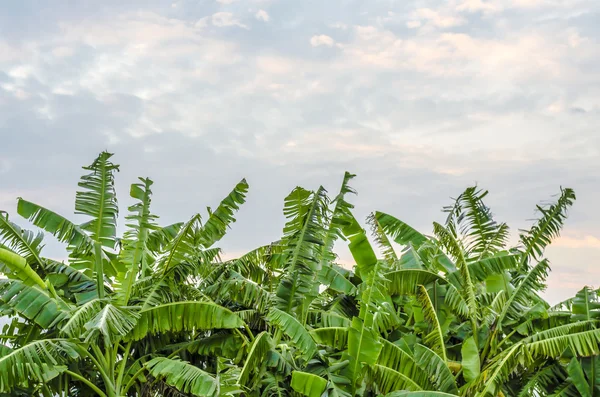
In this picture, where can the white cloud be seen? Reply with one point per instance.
(438, 19)
(528, 3)
(63, 52)
(321, 40)
(9, 53)
(495, 62)
(339, 25)
(262, 15)
(479, 6)
(413, 24)
(488, 7)
(226, 1)
(158, 57)
(225, 19)
(275, 65)
(21, 71)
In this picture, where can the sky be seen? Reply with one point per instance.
(420, 99)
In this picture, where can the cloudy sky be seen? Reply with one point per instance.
(419, 98)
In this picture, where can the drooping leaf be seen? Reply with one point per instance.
(158, 239)
(77, 283)
(436, 368)
(23, 242)
(294, 330)
(19, 267)
(32, 303)
(482, 269)
(55, 224)
(223, 344)
(331, 276)
(242, 291)
(183, 316)
(336, 337)
(32, 363)
(308, 384)
(583, 344)
(399, 231)
(183, 376)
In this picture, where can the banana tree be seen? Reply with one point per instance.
(504, 337)
(97, 325)
(422, 321)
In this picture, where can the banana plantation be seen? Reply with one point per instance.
(455, 311)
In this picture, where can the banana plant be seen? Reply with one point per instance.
(98, 325)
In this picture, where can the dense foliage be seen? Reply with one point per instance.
(156, 312)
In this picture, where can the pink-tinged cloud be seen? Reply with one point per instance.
(586, 241)
(321, 40)
(262, 15)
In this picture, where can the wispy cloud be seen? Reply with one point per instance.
(221, 19)
(262, 15)
(436, 18)
(585, 241)
(321, 40)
